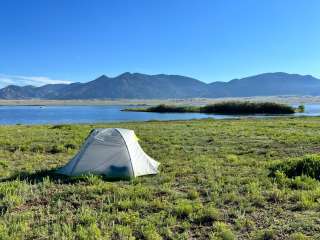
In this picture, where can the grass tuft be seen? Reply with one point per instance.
(222, 231)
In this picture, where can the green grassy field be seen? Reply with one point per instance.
(214, 183)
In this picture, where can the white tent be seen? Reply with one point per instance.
(113, 152)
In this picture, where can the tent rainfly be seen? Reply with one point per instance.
(113, 152)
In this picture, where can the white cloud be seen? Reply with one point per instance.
(27, 80)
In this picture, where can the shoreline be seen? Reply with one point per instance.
(229, 118)
(150, 102)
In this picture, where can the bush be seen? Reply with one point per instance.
(238, 107)
(162, 108)
(300, 108)
(307, 166)
(231, 107)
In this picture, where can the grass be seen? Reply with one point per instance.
(163, 108)
(230, 107)
(306, 166)
(215, 182)
(242, 107)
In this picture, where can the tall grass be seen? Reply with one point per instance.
(307, 166)
(162, 108)
(238, 107)
(231, 107)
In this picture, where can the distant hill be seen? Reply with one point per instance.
(267, 84)
(143, 86)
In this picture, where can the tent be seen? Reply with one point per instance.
(113, 152)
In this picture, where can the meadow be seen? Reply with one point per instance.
(219, 179)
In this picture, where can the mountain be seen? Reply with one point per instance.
(267, 84)
(126, 85)
(143, 86)
(136, 85)
(49, 91)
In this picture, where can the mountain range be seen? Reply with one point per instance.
(161, 86)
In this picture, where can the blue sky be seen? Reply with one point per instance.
(46, 41)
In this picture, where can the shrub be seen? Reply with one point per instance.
(307, 166)
(238, 107)
(300, 108)
(162, 108)
(230, 107)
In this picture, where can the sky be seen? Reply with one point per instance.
(61, 41)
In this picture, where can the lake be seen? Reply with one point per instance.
(94, 114)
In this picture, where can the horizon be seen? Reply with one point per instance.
(40, 80)
(73, 41)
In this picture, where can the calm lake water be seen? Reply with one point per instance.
(93, 114)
